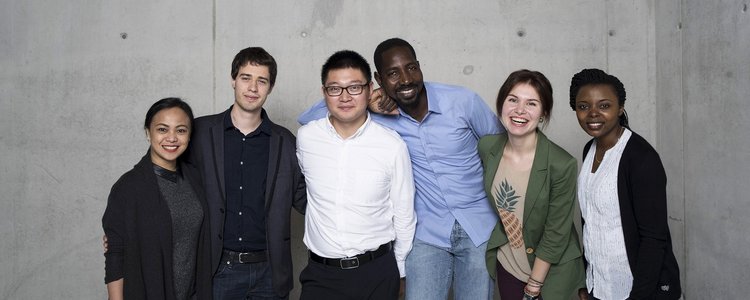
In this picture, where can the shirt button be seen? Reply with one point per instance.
(240, 213)
(240, 187)
(242, 163)
(240, 239)
(243, 139)
(529, 250)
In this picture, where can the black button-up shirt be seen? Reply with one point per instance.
(245, 168)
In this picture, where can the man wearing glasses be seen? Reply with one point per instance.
(441, 124)
(360, 218)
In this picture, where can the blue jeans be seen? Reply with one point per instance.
(430, 270)
(244, 281)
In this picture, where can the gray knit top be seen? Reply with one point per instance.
(187, 215)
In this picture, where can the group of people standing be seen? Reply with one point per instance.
(413, 188)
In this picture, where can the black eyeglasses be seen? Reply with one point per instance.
(353, 90)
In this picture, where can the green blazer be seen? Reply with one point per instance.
(548, 230)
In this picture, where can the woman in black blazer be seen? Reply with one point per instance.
(623, 198)
(155, 222)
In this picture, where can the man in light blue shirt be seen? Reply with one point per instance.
(441, 125)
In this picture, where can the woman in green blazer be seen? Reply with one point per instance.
(531, 182)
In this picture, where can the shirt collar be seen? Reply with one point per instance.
(228, 120)
(264, 126)
(433, 104)
(360, 130)
(172, 176)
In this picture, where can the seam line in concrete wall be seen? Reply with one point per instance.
(213, 58)
(686, 236)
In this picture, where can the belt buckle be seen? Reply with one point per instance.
(351, 263)
(239, 257)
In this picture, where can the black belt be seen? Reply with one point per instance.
(229, 256)
(354, 261)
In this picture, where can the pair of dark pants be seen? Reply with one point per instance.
(376, 279)
(244, 281)
(508, 286)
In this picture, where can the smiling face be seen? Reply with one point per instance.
(251, 87)
(521, 110)
(598, 111)
(346, 109)
(169, 134)
(401, 77)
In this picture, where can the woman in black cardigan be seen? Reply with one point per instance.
(623, 198)
(155, 222)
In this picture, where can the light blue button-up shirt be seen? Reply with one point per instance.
(447, 170)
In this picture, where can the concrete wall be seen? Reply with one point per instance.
(77, 78)
(716, 138)
(665, 69)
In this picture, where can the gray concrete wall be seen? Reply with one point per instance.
(666, 70)
(78, 76)
(716, 138)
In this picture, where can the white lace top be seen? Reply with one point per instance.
(608, 273)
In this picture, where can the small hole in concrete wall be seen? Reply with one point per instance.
(679, 25)
(611, 33)
(744, 7)
(124, 35)
(468, 70)
(521, 33)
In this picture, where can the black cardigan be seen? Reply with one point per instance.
(138, 227)
(642, 193)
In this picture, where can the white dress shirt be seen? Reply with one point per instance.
(608, 273)
(360, 190)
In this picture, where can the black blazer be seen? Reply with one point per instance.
(285, 189)
(138, 227)
(642, 192)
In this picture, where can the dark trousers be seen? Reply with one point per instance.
(244, 281)
(377, 279)
(508, 286)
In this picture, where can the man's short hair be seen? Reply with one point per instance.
(345, 59)
(256, 56)
(388, 45)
